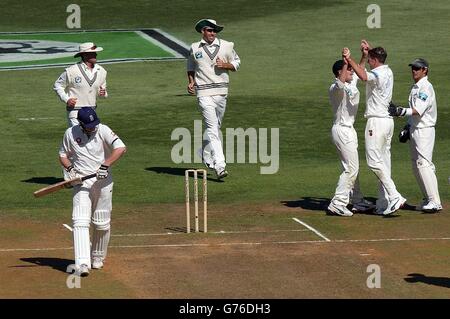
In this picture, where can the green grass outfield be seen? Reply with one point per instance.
(287, 49)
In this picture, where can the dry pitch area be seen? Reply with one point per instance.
(278, 250)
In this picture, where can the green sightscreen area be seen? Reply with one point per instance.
(117, 45)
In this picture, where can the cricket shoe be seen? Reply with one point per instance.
(431, 207)
(339, 210)
(221, 173)
(83, 270)
(97, 263)
(423, 203)
(363, 206)
(394, 205)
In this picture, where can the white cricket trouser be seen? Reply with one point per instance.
(91, 201)
(213, 110)
(72, 121)
(378, 136)
(72, 118)
(346, 142)
(421, 147)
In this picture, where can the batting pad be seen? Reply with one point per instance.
(81, 221)
(101, 234)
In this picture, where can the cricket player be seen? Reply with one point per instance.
(208, 65)
(422, 116)
(87, 148)
(344, 99)
(80, 84)
(380, 125)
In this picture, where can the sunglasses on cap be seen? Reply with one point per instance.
(416, 68)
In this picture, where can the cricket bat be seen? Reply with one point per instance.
(64, 184)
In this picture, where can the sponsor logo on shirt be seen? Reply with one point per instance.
(348, 91)
(198, 55)
(423, 96)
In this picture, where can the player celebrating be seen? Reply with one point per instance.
(79, 85)
(422, 116)
(344, 98)
(380, 125)
(208, 65)
(88, 148)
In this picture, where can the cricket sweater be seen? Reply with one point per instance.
(209, 79)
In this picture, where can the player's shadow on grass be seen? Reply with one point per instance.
(43, 180)
(309, 203)
(435, 281)
(177, 171)
(321, 204)
(55, 263)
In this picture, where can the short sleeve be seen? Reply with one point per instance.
(423, 101)
(111, 138)
(65, 149)
(372, 76)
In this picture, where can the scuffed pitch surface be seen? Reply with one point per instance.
(268, 257)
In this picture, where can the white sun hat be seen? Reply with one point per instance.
(88, 47)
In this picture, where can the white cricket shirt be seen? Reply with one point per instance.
(379, 87)
(423, 99)
(88, 153)
(344, 98)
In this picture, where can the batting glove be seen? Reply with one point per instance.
(102, 172)
(70, 173)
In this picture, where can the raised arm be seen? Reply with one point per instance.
(359, 70)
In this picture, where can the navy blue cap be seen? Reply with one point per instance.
(420, 63)
(87, 117)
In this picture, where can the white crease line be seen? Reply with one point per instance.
(68, 227)
(260, 231)
(186, 245)
(386, 239)
(218, 232)
(35, 118)
(237, 244)
(310, 228)
(34, 249)
(142, 235)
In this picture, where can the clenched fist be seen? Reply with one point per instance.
(72, 102)
(345, 53)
